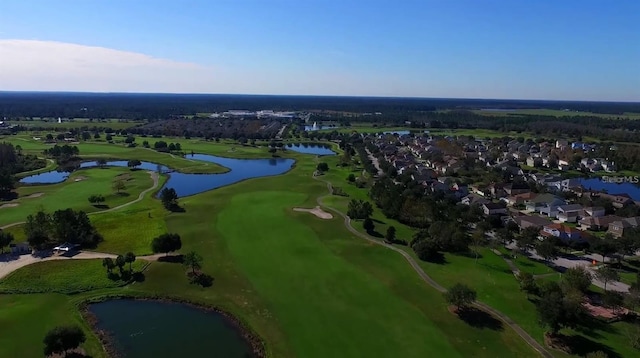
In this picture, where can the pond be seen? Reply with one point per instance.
(598, 184)
(152, 329)
(190, 184)
(317, 149)
(397, 132)
(316, 127)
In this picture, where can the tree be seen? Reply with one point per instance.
(96, 199)
(557, 309)
(427, 249)
(460, 296)
(96, 136)
(368, 225)
(613, 300)
(62, 339)
(7, 182)
(120, 262)
(351, 178)
(193, 260)
(169, 198)
(109, 137)
(86, 136)
(528, 283)
(606, 274)
(576, 278)
(547, 249)
(108, 263)
(477, 239)
(37, 229)
(133, 163)
(527, 238)
(390, 236)
(6, 238)
(322, 167)
(119, 185)
(603, 246)
(505, 236)
(101, 162)
(130, 257)
(166, 243)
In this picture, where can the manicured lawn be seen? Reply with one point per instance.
(27, 318)
(75, 191)
(527, 264)
(64, 276)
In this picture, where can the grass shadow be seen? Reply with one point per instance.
(480, 319)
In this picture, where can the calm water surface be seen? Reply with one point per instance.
(151, 329)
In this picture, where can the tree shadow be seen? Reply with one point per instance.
(123, 194)
(480, 319)
(174, 259)
(6, 257)
(581, 346)
(437, 258)
(375, 234)
(8, 196)
(201, 279)
(377, 221)
(176, 209)
(77, 355)
(138, 277)
(101, 206)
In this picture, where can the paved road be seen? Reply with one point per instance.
(423, 275)
(582, 261)
(375, 161)
(153, 175)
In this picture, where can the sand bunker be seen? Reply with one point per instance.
(12, 205)
(80, 178)
(34, 195)
(317, 211)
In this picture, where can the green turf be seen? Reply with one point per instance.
(27, 318)
(64, 276)
(75, 191)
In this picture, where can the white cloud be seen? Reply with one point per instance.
(29, 65)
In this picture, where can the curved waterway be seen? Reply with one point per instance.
(190, 184)
(313, 148)
(150, 329)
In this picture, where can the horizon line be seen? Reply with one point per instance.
(319, 95)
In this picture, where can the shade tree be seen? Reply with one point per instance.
(61, 339)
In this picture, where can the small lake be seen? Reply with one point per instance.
(306, 148)
(190, 184)
(598, 184)
(150, 329)
(397, 132)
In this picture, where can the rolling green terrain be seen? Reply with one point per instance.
(307, 286)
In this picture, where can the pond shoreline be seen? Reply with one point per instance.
(254, 341)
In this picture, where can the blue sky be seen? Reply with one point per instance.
(543, 49)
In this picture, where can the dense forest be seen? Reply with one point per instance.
(161, 106)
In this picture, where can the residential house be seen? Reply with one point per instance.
(534, 162)
(519, 199)
(569, 213)
(516, 188)
(618, 200)
(597, 223)
(617, 228)
(563, 232)
(494, 208)
(525, 221)
(562, 144)
(563, 165)
(543, 202)
(474, 199)
(594, 211)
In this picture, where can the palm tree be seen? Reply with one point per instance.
(108, 263)
(130, 257)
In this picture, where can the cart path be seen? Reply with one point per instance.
(426, 278)
(9, 264)
(156, 181)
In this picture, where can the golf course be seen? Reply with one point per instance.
(299, 284)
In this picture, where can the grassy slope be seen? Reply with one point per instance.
(63, 276)
(281, 268)
(74, 194)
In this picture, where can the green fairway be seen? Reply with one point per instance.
(554, 113)
(65, 276)
(27, 318)
(75, 191)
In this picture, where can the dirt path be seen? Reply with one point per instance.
(423, 275)
(156, 181)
